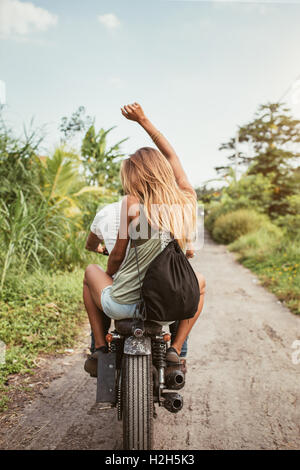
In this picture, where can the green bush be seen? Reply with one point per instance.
(258, 243)
(291, 221)
(229, 227)
(212, 212)
(251, 192)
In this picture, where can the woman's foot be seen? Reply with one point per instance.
(172, 356)
(91, 364)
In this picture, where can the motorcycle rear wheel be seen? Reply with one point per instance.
(137, 402)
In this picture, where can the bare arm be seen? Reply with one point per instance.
(94, 243)
(134, 112)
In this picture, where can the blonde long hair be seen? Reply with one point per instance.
(149, 177)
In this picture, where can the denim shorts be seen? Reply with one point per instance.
(113, 309)
(117, 311)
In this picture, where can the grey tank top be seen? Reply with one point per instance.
(125, 287)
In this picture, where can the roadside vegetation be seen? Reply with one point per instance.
(256, 211)
(47, 203)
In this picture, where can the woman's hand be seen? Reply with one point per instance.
(101, 248)
(134, 112)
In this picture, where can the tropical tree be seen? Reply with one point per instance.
(205, 194)
(269, 145)
(77, 123)
(101, 162)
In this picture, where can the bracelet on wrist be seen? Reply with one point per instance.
(156, 136)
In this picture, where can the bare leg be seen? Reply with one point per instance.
(95, 279)
(185, 326)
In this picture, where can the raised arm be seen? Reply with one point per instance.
(134, 112)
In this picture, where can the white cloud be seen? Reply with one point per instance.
(109, 20)
(17, 19)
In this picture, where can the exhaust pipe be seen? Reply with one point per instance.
(174, 378)
(173, 402)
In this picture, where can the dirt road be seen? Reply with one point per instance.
(242, 391)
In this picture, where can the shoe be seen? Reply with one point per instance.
(172, 356)
(91, 364)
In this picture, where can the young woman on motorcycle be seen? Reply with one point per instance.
(150, 179)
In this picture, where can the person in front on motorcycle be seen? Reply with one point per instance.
(149, 180)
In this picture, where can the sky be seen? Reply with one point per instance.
(199, 68)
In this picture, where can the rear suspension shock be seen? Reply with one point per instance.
(159, 361)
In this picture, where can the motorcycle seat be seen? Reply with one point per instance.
(124, 327)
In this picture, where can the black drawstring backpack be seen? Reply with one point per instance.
(170, 290)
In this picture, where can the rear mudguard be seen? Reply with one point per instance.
(106, 381)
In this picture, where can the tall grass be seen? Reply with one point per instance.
(40, 313)
(275, 258)
(29, 232)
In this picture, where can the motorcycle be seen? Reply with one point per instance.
(134, 377)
